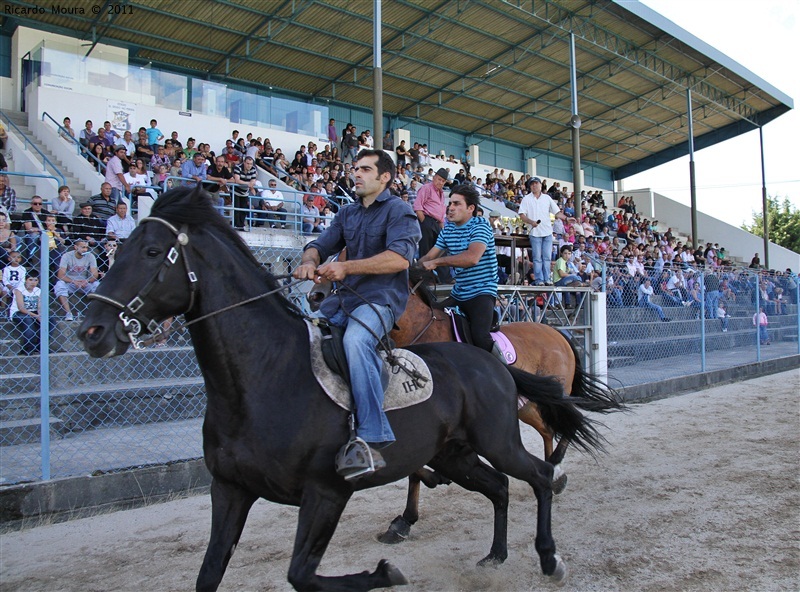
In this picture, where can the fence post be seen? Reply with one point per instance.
(598, 345)
(44, 350)
(755, 316)
(797, 309)
(702, 275)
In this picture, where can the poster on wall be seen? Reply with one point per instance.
(121, 115)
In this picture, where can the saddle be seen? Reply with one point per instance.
(463, 333)
(332, 346)
(406, 380)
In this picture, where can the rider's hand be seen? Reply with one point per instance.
(306, 271)
(334, 271)
(429, 265)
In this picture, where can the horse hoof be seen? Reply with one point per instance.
(393, 575)
(559, 484)
(396, 533)
(559, 575)
(491, 560)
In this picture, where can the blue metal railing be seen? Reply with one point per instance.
(44, 358)
(45, 161)
(81, 149)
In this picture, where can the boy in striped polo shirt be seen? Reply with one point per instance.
(468, 241)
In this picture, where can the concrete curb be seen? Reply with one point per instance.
(31, 504)
(692, 382)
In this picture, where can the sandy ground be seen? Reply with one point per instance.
(697, 492)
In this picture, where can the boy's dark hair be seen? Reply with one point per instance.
(33, 274)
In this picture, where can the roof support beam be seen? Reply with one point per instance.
(592, 33)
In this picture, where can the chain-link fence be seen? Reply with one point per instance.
(664, 324)
(142, 408)
(146, 407)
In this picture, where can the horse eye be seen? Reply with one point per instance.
(153, 252)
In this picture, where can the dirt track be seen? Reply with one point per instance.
(698, 492)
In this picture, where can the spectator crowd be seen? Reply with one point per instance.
(641, 260)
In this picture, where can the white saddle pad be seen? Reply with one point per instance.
(403, 390)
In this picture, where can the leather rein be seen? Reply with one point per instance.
(133, 322)
(430, 321)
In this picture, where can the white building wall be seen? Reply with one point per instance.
(737, 242)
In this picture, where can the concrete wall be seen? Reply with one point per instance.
(25, 40)
(6, 92)
(204, 128)
(66, 152)
(737, 242)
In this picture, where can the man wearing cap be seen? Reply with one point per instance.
(430, 209)
(380, 233)
(535, 211)
(115, 175)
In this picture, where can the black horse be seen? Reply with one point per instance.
(271, 432)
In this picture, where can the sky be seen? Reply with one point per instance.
(764, 37)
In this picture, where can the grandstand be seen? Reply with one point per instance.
(511, 119)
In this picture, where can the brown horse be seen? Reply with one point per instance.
(540, 350)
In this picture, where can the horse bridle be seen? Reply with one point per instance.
(430, 322)
(132, 321)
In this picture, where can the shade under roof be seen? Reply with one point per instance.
(491, 68)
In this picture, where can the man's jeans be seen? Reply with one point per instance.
(652, 306)
(365, 367)
(541, 250)
(712, 302)
(29, 329)
(116, 195)
(565, 281)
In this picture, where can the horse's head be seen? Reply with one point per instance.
(151, 280)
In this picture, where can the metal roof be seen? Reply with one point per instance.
(490, 68)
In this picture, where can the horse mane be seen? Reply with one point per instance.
(427, 296)
(192, 206)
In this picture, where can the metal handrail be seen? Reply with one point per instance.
(82, 150)
(251, 212)
(46, 161)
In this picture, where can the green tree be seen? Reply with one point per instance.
(784, 224)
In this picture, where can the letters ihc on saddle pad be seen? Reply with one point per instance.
(403, 389)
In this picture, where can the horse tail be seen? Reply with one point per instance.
(589, 392)
(558, 412)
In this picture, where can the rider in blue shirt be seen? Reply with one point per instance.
(381, 233)
(466, 243)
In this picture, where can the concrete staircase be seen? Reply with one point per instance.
(148, 386)
(25, 190)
